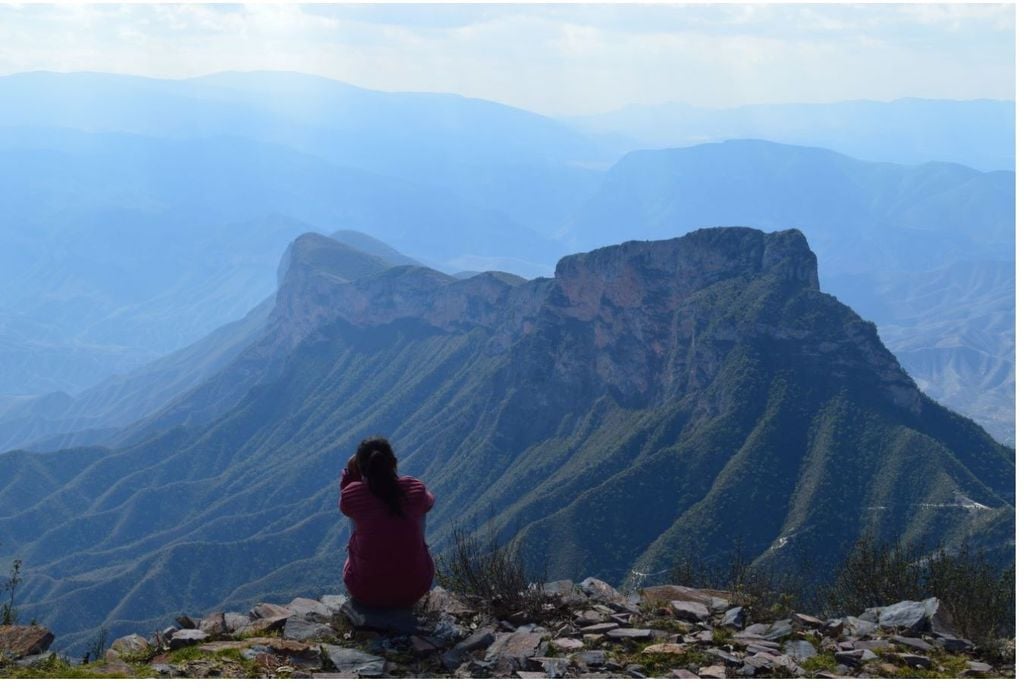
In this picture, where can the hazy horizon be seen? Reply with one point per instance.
(583, 59)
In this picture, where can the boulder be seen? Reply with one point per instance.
(913, 616)
(690, 610)
(567, 645)
(392, 620)
(734, 618)
(510, 651)
(682, 674)
(214, 624)
(601, 591)
(266, 610)
(800, 650)
(855, 658)
(333, 602)
(185, 622)
(22, 641)
(235, 621)
(299, 628)
(310, 609)
(186, 637)
(133, 644)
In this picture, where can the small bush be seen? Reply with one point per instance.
(491, 574)
(979, 598)
(8, 614)
(767, 592)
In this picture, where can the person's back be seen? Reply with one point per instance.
(388, 562)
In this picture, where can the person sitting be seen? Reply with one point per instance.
(388, 562)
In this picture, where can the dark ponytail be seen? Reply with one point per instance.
(379, 467)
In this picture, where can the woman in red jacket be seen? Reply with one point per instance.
(388, 562)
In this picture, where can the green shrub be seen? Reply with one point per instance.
(494, 575)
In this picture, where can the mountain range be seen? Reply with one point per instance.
(142, 214)
(651, 400)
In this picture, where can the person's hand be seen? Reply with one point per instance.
(353, 468)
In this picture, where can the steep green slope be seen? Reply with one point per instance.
(653, 397)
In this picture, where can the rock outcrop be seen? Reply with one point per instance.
(582, 631)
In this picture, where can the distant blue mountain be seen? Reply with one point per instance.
(978, 133)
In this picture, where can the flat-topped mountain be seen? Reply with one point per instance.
(652, 400)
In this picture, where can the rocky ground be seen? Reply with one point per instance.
(587, 631)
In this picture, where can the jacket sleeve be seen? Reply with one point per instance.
(346, 480)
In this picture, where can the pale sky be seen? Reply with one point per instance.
(552, 59)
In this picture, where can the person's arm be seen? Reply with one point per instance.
(349, 475)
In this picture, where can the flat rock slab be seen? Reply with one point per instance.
(712, 672)
(265, 624)
(22, 641)
(349, 660)
(590, 658)
(518, 646)
(266, 610)
(635, 634)
(186, 637)
(311, 609)
(531, 675)
(682, 674)
(298, 628)
(599, 628)
(712, 599)
(397, 620)
(800, 650)
(688, 610)
(440, 600)
(855, 658)
(333, 602)
(567, 645)
(915, 643)
(666, 649)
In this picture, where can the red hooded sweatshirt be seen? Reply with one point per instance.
(388, 562)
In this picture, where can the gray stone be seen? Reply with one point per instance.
(915, 643)
(510, 651)
(712, 599)
(908, 615)
(712, 672)
(977, 669)
(779, 629)
(855, 627)
(478, 640)
(588, 618)
(754, 631)
(630, 633)
(553, 667)
(531, 675)
(689, 610)
(599, 590)
(914, 660)
(133, 644)
(567, 645)
(333, 602)
(873, 645)
(265, 610)
(348, 660)
(298, 628)
(727, 658)
(235, 621)
(590, 658)
(599, 628)
(734, 618)
(683, 674)
(955, 645)
(807, 621)
(187, 637)
(185, 622)
(800, 650)
(310, 609)
(214, 624)
(855, 658)
(397, 620)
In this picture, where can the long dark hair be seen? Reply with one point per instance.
(379, 467)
